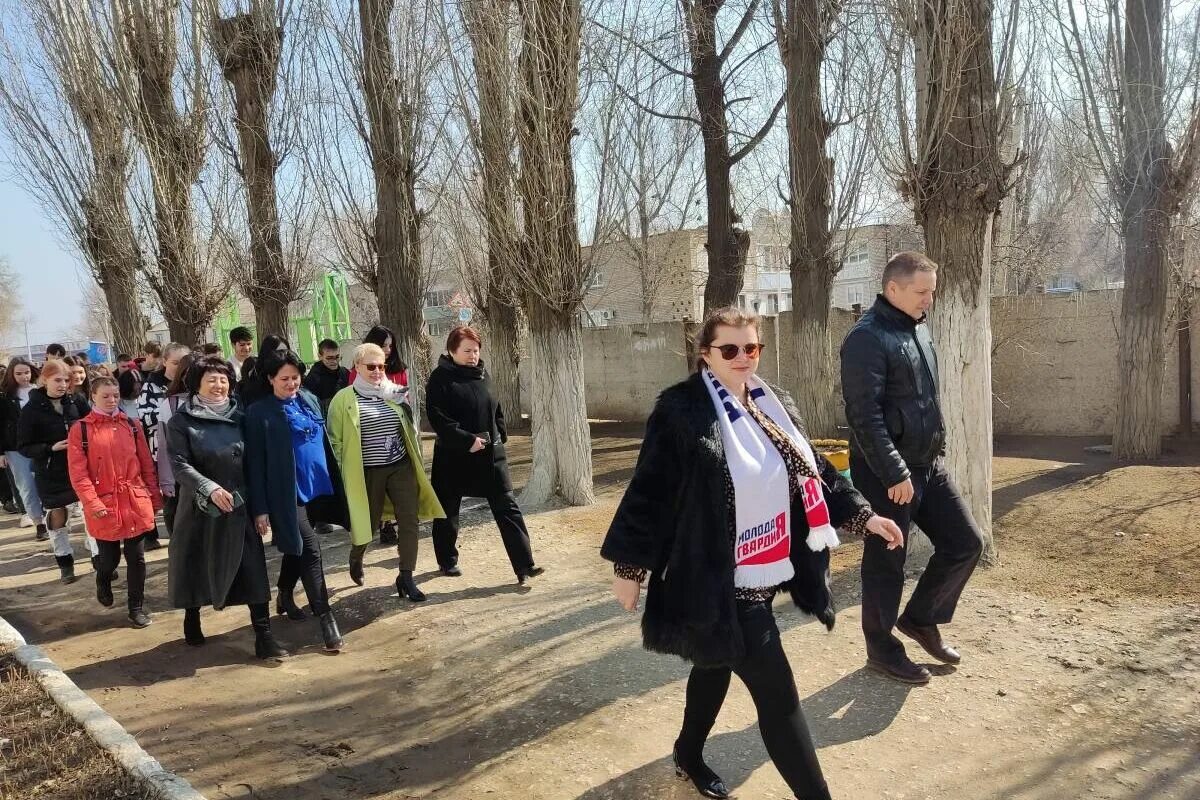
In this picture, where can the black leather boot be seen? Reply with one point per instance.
(330, 632)
(139, 618)
(286, 604)
(191, 627)
(265, 646)
(707, 782)
(356, 563)
(66, 568)
(388, 533)
(407, 587)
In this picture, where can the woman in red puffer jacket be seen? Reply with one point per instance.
(113, 475)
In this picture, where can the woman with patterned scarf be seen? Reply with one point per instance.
(728, 505)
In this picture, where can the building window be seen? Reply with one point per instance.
(597, 281)
(854, 295)
(857, 263)
(742, 302)
(772, 304)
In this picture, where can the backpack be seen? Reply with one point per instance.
(84, 436)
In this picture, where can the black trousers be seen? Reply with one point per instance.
(109, 556)
(943, 516)
(768, 677)
(8, 490)
(306, 568)
(508, 518)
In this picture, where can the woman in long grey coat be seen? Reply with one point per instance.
(216, 555)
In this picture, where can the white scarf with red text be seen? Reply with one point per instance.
(762, 493)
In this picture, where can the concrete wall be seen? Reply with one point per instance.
(626, 367)
(1054, 367)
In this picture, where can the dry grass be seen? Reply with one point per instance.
(45, 755)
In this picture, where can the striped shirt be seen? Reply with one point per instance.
(382, 439)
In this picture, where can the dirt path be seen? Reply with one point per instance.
(1070, 687)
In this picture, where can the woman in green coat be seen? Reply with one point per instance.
(376, 446)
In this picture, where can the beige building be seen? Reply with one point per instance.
(667, 285)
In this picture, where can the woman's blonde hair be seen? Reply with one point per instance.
(368, 349)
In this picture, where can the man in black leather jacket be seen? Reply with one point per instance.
(897, 439)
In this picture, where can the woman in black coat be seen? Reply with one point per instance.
(727, 505)
(42, 438)
(216, 557)
(286, 468)
(469, 458)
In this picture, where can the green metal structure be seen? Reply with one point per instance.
(328, 318)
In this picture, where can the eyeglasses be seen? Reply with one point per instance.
(373, 367)
(730, 351)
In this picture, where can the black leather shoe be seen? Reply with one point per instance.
(407, 587)
(930, 639)
(330, 632)
(42, 534)
(104, 593)
(286, 605)
(151, 543)
(707, 782)
(900, 669)
(388, 534)
(139, 618)
(452, 571)
(530, 572)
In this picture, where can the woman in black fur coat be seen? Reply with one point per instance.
(729, 504)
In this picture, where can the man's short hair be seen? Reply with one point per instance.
(902, 266)
(56, 350)
(210, 349)
(240, 334)
(152, 348)
(327, 345)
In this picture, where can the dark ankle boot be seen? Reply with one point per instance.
(191, 627)
(265, 646)
(388, 533)
(330, 632)
(286, 604)
(356, 563)
(693, 768)
(66, 568)
(407, 587)
(104, 590)
(42, 533)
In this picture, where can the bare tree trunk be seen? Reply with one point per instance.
(488, 29)
(248, 48)
(727, 242)
(112, 246)
(397, 220)
(552, 274)
(175, 146)
(1146, 209)
(810, 178)
(960, 189)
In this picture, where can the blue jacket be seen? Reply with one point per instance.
(271, 470)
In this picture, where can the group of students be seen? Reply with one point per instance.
(233, 451)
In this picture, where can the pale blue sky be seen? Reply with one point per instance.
(50, 275)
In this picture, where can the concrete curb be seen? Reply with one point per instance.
(105, 730)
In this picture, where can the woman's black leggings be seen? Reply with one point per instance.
(306, 567)
(768, 677)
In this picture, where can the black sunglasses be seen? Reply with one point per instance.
(730, 351)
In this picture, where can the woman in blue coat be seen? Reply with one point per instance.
(286, 468)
